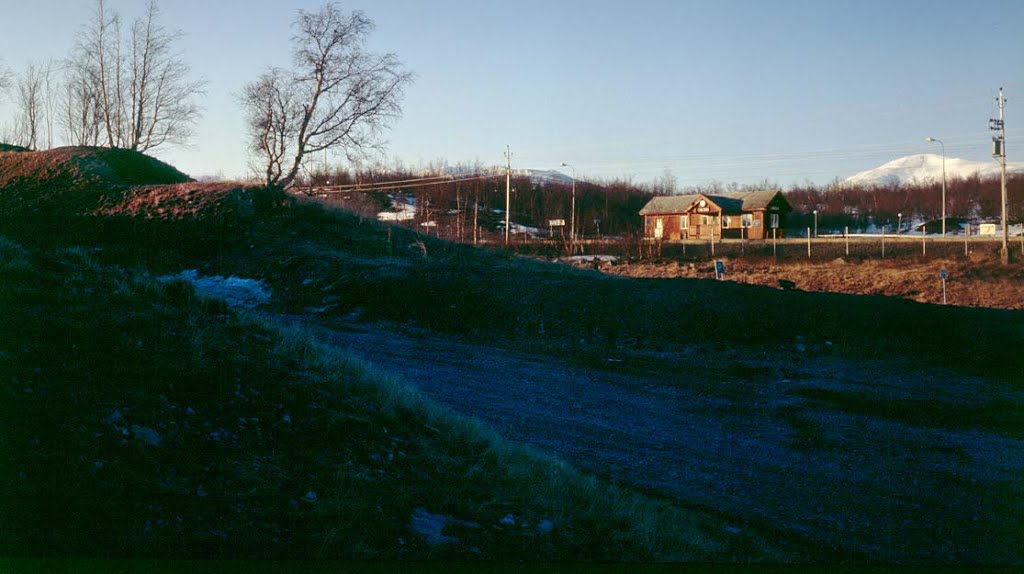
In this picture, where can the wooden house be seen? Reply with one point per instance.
(749, 215)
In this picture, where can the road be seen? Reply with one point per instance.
(777, 443)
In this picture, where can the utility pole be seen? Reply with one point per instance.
(508, 190)
(999, 151)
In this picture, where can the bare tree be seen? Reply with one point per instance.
(30, 106)
(666, 183)
(6, 80)
(79, 106)
(161, 95)
(145, 98)
(338, 96)
(273, 115)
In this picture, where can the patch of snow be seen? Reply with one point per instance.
(235, 291)
(514, 227)
(400, 210)
(592, 258)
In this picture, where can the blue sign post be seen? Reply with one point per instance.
(942, 275)
(719, 269)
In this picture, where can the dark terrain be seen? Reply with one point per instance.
(883, 461)
(761, 425)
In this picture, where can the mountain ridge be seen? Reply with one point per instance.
(927, 168)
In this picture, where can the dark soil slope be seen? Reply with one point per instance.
(74, 180)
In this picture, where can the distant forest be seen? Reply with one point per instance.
(612, 207)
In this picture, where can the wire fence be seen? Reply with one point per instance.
(853, 247)
(830, 248)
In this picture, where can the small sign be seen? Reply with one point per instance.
(942, 273)
(719, 269)
(556, 223)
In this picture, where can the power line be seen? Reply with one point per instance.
(396, 185)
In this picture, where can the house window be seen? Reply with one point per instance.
(705, 220)
(775, 220)
(726, 221)
(747, 220)
(684, 222)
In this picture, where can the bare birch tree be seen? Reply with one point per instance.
(30, 107)
(143, 92)
(79, 106)
(337, 97)
(6, 79)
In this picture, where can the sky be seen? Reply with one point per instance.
(786, 91)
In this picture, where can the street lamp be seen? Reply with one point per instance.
(931, 139)
(572, 209)
(815, 222)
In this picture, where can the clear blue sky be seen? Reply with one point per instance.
(712, 90)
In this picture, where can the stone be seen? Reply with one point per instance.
(430, 527)
(146, 435)
(545, 526)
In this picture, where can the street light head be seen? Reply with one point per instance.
(929, 139)
(565, 164)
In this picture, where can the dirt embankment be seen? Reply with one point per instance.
(978, 281)
(83, 182)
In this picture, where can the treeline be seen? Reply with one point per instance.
(611, 208)
(602, 208)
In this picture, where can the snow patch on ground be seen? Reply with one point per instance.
(235, 291)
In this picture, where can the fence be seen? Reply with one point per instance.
(829, 248)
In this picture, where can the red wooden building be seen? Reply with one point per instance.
(750, 215)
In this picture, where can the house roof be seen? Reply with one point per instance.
(732, 202)
(668, 204)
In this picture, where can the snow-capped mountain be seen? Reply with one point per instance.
(542, 176)
(927, 167)
(537, 176)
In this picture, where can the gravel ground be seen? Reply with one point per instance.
(765, 444)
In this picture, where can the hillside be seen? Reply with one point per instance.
(74, 180)
(112, 336)
(143, 419)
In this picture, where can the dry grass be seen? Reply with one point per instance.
(978, 281)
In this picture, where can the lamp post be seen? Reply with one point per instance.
(572, 209)
(899, 223)
(931, 139)
(815, 222)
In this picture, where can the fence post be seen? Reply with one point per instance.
(924, 237)
(775, 252)
(846, 234)
(967, 233)
(883, 242)
(808, 242)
